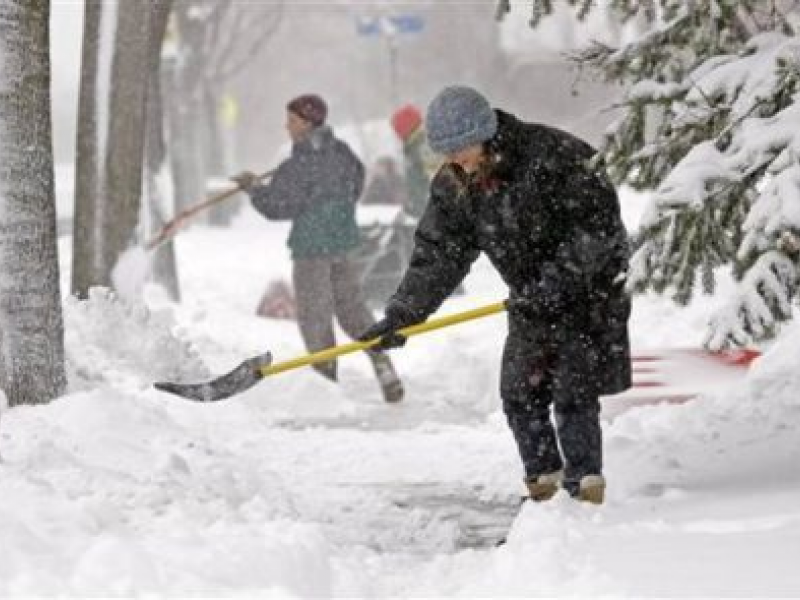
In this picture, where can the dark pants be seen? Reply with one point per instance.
(531, 382)
(325, 288)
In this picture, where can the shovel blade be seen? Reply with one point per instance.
(239, 380)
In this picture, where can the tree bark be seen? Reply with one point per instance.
(31, 324)
(165, 270)
(111, 135)
(185, 120)
(85, 220)
(125, 145)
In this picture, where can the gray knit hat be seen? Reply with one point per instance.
(458, 117)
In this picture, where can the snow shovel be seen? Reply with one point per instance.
(170, 228)
(254, 369)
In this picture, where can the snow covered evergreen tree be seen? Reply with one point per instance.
(31, 326)
(710, 121)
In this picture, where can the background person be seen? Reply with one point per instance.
(316, 188)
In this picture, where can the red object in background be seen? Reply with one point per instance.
(406, 120)
(737, 356)
(277, 301)
(678, 375)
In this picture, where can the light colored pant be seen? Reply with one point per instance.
(325, 288)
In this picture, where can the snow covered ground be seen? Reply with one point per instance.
(300, 488)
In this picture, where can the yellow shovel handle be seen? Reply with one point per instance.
(331, 353)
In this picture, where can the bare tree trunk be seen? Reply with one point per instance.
(156, 145)
(165, 271)
(111, 136)
(31, 326)
(85, 269)
(216, 40)
(216, 156)
(184, 153)
(185, 119)
(127, 114)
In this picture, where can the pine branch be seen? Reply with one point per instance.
(711, 122)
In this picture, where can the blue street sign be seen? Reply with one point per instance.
(368, 26)
(388, 25)
(408, 23)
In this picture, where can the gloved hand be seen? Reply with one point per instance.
(397, 317)
(245, 180)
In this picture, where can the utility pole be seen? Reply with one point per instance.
(394, 76)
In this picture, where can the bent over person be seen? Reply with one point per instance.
(316, 188)
(527, 195)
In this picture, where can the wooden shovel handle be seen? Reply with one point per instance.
(171, 227)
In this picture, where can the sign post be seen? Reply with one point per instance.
(390, 27)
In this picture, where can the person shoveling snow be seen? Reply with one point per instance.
(526, 195)
(316, 189)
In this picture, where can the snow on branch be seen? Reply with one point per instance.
(711, 123)
(745, 81)
(738, 189)
(762, 301)
(701, 174)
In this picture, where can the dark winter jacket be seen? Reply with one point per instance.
(316, 188)
(551, 226)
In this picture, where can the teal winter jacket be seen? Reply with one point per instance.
(316, 188)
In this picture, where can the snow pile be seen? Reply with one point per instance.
(698, 489)
(747, 433)
(109, 494)
(547, 553)
(113, 342)
(131, 272)
(775, 379)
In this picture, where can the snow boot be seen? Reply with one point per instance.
(544, 487)
(391, 386)
(592, 489)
